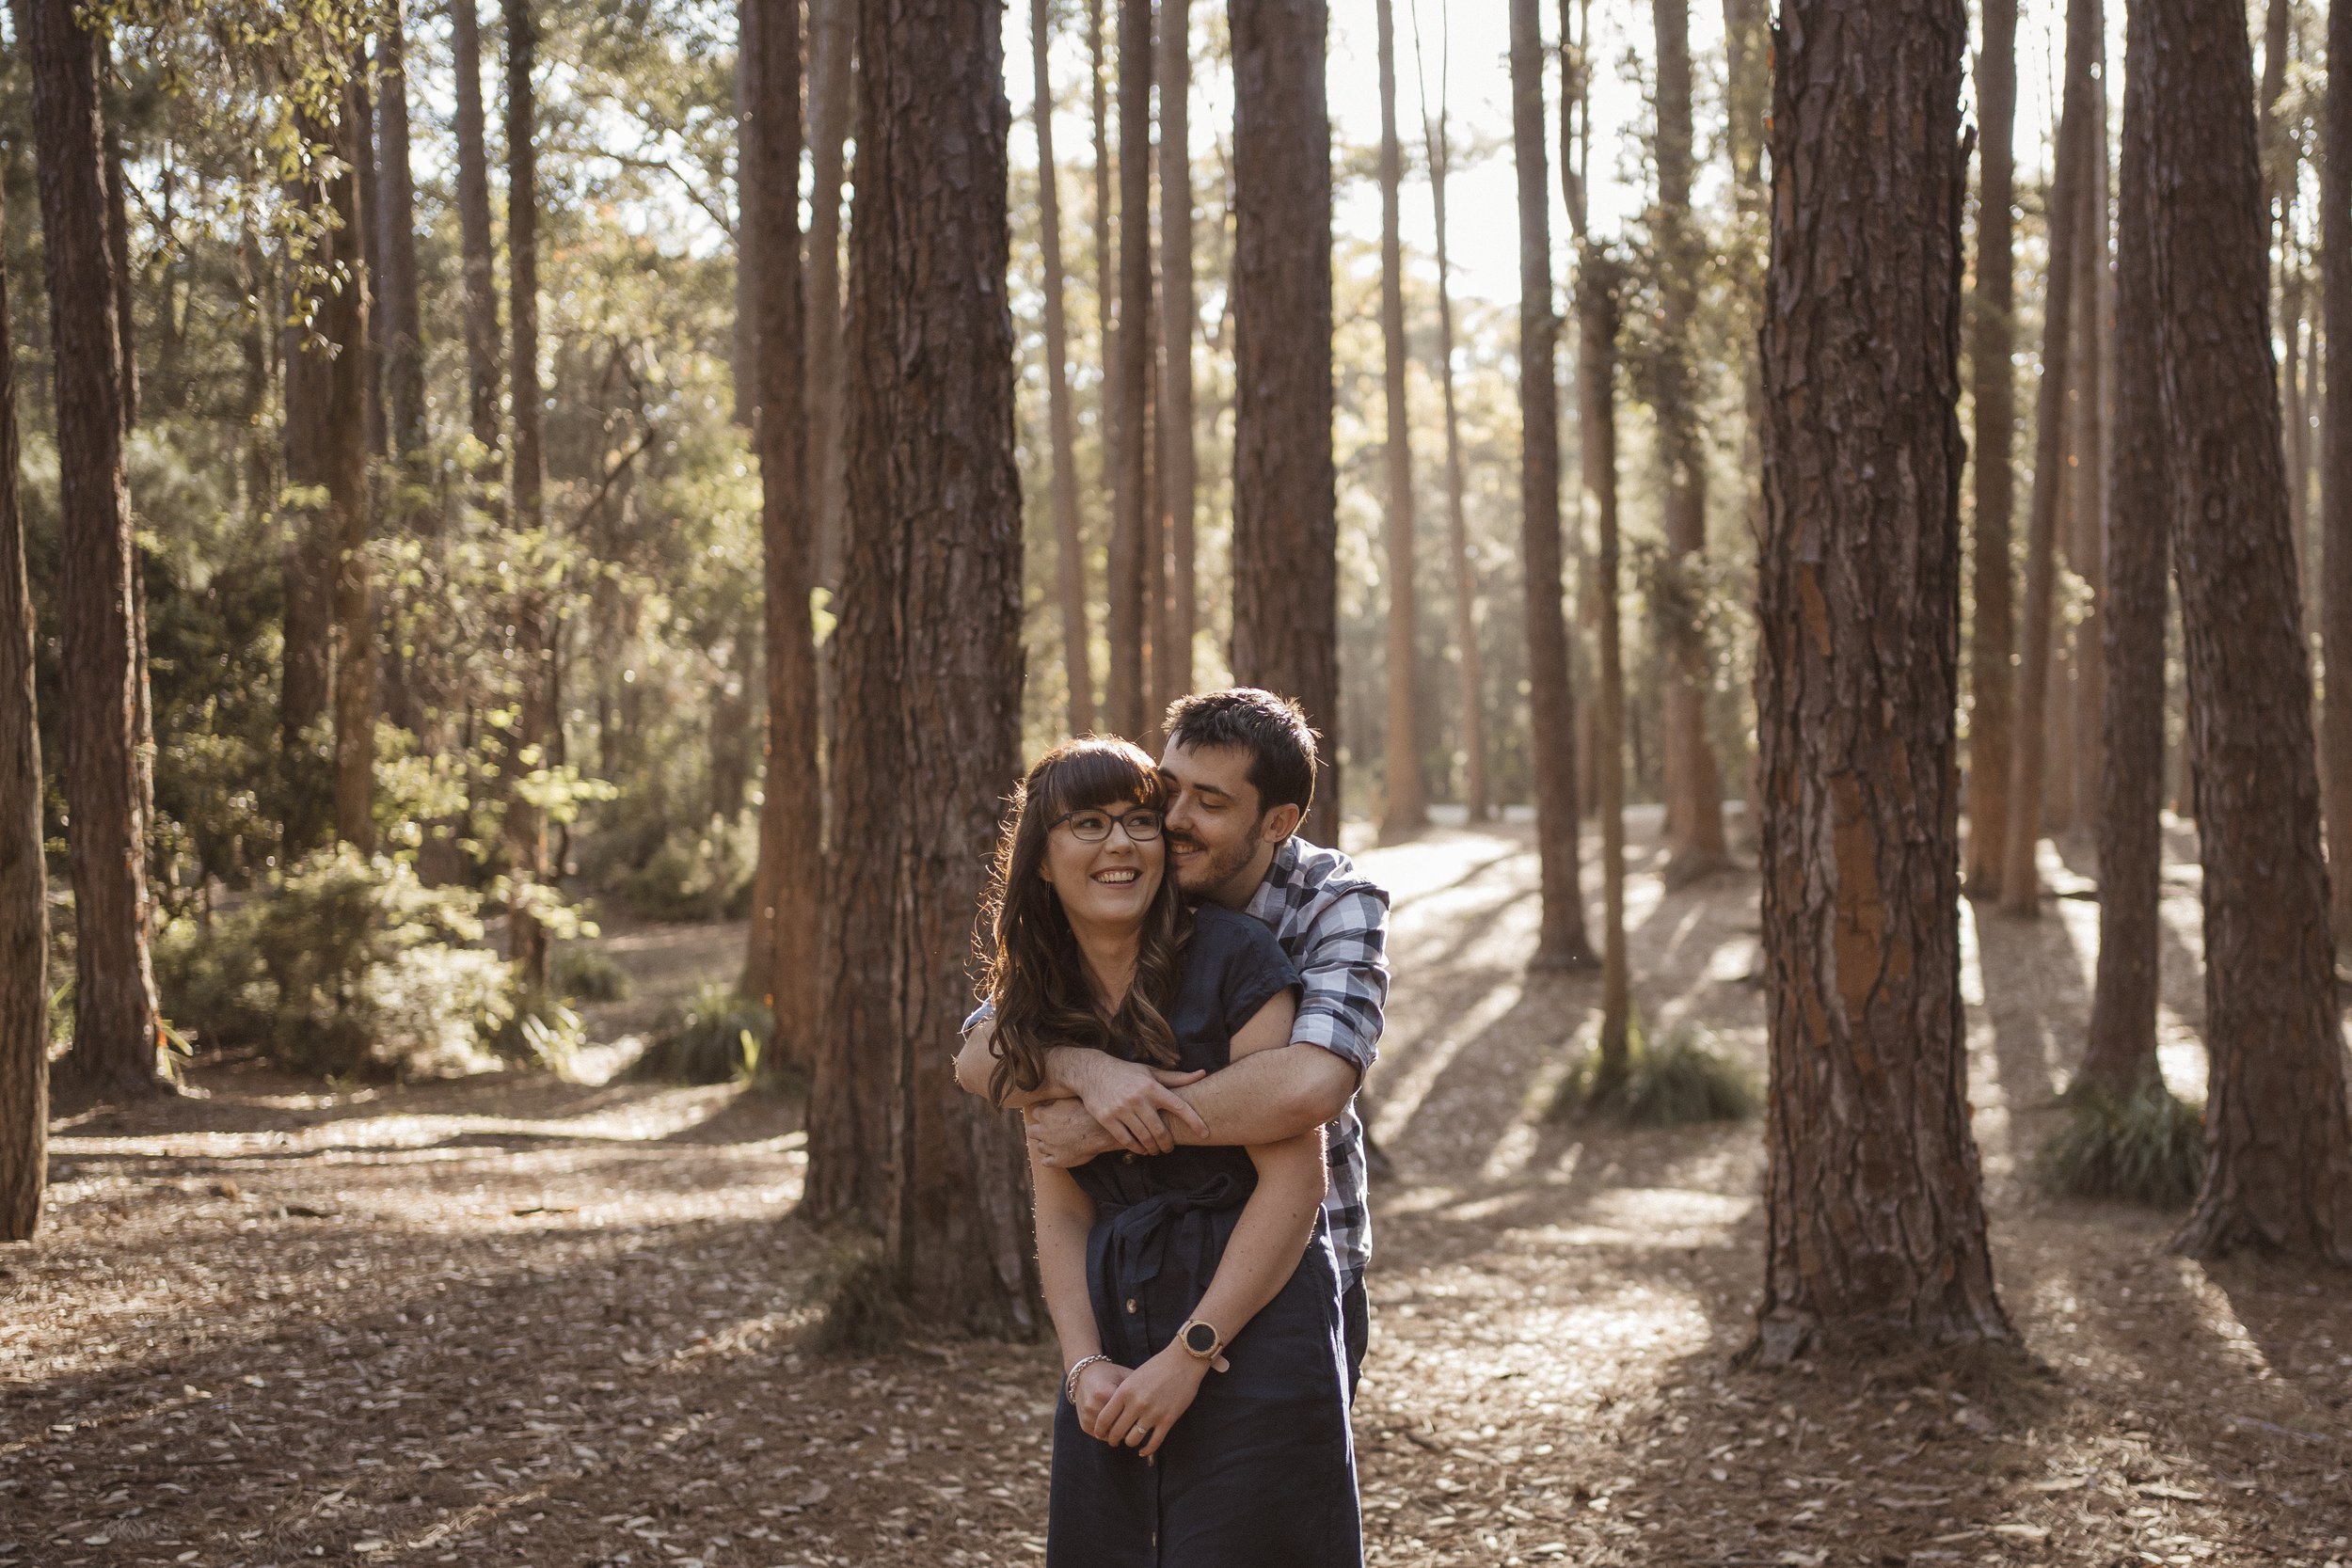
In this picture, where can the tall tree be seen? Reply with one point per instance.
(1106, 275)
(2119, 1057)
(1469, 664)
(1285, 504)
(396, 226)
(2092, 411)
(527, 740)
(1694, 805)
(1180, 616)
(1406, 795)
(832, 34)
(23, 878)
(336, 459)
(1599, 318)
(1551, 701)
(791, 805)
(1873, 1195)
(2335, 492)
(1130, 368)
(2021, 880)
(114, 995)
(1993, 341)
(473, 224)
(1069, 543)
(931, 615)
(2278, 1138)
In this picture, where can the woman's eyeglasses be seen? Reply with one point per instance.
(1092, 826)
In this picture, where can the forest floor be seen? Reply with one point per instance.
(518, 1321)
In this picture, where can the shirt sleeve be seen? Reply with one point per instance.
(1343, 971)
(1255, 972)
(980, 1014)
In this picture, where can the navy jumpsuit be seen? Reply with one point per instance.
(1261, 1471)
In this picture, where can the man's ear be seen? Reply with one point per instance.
(1279, 823)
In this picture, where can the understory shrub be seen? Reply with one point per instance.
(589, 974)
(715, 1038)
(344, 964)
(1683, 1080)
(2148, 1149)
(690, 872)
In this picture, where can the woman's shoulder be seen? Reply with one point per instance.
(1238, 946)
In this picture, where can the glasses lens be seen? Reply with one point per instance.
(1090, 827)
(1142, 825)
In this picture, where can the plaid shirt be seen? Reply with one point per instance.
(1334, 926)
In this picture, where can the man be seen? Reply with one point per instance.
(1240, 767)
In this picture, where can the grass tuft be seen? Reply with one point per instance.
(2149, 1149)
(1686, 1079)
(715, 1038)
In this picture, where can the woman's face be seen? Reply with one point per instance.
(1110, 880)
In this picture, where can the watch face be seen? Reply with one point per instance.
(1201, 1339)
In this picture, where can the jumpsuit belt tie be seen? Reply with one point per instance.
(1133, 1246)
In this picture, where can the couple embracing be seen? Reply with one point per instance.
(1183, 998)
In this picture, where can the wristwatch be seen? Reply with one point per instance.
(1201, 1340)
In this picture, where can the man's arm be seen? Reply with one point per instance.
(1262, 1099)
(1134, 1107)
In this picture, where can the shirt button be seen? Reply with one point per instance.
(1129, 1157)
(1131, 1304)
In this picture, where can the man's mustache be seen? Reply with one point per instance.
(1184, 841)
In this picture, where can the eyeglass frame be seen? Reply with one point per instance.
(1118, 822)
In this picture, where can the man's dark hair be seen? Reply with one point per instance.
(1272, 729)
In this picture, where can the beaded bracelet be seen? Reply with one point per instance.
(1070, 1381)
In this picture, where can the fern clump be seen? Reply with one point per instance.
(717, 1038)
(2147, 1147)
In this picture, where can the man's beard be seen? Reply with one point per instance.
(1214, 869)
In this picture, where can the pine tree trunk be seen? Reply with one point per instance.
(2119, 1057)
(23, 877)
(1694, 802)
(1180, 317)
(932, 614)
(352, 419)
(396, 221)
(791, 807)
(2020, 879)
(1551, 702)
(1993, 339)
(114, 1051)
(1873, 1195)
(2094, 409)
(1285, 519)
(474, 245)
(2279, 1145)
(2335, 490)
(1598, 318)
(1130, 371)
(1069, 545)
(831, 32)
(1477, 794)
(1406, 797)
(526, 824)
(1106, 302)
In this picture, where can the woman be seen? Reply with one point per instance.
(1203, 1417)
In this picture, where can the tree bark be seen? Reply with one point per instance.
(1694, 800)
(473, 222)
(1551, 701)
(2119, 1057)
(1598, 315)
(1130, 369)
(1873, 1195)
(1470, 662)
(1406, 802)
(1179, 321)
(2093, 410)
(343, 317)
(114, 1052)
(929, 686)
(24, 876)
(791, 807)
(526, 824)
(1992, 341)
(1285, 517)
(2279, 1145)
(2335, 491)
(396, 223)
(1069, 544)
(2020, 879)
(831, 46)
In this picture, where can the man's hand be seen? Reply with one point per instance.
(1063, 1136)
(1131, 1101)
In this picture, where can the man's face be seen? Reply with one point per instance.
(1215, 831)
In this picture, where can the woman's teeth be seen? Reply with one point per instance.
(1115, 879)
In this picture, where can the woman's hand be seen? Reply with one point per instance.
(1096, 1386)
(1150, 1398)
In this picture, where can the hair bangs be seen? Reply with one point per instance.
(1079, 775)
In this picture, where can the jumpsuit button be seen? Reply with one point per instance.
(1129, 1157)
(1131, 1304)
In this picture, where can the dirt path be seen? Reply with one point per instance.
(519, 1322)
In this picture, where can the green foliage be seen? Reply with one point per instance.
(589, 974)
(344, 965)
(2148, 1149)
(715, 1038)
(1684, 1080)
(540, 1032)
(688, 873)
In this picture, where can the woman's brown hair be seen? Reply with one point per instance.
(1036, 978)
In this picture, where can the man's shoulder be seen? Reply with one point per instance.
(1306, 871)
